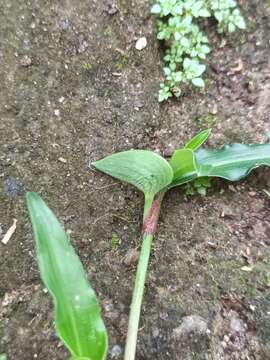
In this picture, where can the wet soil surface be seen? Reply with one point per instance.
(74, 89)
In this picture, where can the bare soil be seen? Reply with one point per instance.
(74, 89)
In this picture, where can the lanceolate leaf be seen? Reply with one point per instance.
(198, 140)
(232, 162)
(77, 313)
(146, 170)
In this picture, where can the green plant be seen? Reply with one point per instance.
(198, 186)
(186, 44)
(154, 176)
(77, 314)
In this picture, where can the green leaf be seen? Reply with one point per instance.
(232, 162)
(199, 70)
(198, 140)
(186, 63)
(184, 167)
(3, 357)
(205, 49)
(156, 9)
(231, 27)
(77, 313)
(240, 22)
(167, 71)
(177, 35)
(184, 42)
(199, 82)
(144, 169)
(204, 13)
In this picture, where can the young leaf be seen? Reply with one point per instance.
(198, 140)
(156, 9)
(183, 165)
(232, 162)
(199, 82)
(77, 313)
(144, 169)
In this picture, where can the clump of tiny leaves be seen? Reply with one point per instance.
(187, 45)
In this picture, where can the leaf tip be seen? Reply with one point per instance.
(30, 197)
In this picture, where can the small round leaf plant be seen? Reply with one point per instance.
(187, 46)
(154, 176)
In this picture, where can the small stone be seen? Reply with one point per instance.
(228, 211)
(155, 332)
(137, 105)
(26, 44)
(224, 344)
(214, 109)
(131, 257)
(64, 24)
(13, 187)
(111, 8)
(83, 45)
(26, 61)
(141, 43)
(232, 188)
(57, 112)
(62, 160)
(116, 352)
(108, 305)
(237, 325)
(163, 316)
(191, 325)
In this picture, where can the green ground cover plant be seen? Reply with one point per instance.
(187, 46)
(77, 314)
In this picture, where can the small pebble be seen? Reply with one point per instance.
(62, 160)
(116, 352)
(111, 8)
(64, 24)
(131, 257)
(141, 43)
(13, 187)
(26, 61)
(137, 105)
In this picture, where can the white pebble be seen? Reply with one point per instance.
(141, 43)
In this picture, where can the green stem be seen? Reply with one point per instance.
(151, 214)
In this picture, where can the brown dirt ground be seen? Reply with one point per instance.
(73, 86)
